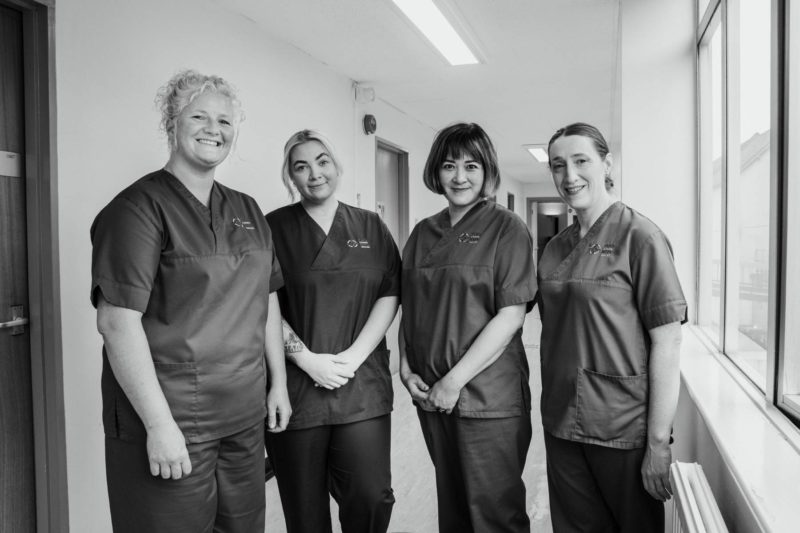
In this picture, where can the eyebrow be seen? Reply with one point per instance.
(320, 156)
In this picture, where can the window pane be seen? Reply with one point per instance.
(711, 186)
(748, 258)
(702, 5)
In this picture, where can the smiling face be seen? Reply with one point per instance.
(579, 172)
(204, 131)
(313, 172)
(462, 181)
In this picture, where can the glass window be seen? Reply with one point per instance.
(747, 273)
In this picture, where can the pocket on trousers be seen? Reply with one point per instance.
(611, 408)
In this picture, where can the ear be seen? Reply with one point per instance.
(608, 162)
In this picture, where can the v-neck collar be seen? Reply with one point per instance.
(337, 218)
(443, 220)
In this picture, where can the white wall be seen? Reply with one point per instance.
(658, 85)
(112, 55)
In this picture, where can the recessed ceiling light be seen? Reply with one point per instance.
(433, 25)
(538, 152)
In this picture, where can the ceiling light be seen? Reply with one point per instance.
(538, 152)
(430, 21)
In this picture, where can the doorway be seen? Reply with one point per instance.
(391, 204)
(33, 483)
(546, 217)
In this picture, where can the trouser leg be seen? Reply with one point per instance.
(618, 474)
(576, 501)
(442, 443)
(240, 482)
(359, 466)
(140, 501)
(300, 461)
(493, 453)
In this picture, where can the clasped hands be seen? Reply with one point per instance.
(328, 370)
(441, 397)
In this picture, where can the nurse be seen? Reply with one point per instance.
(468, 280)
(183, 279)
(611, 308)
(342, 283)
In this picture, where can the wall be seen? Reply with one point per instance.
(112, 55)
(658, 85)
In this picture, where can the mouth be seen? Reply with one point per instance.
(575, 189)
(209, 142)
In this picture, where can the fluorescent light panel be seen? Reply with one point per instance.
(433, 24)
(539, 153)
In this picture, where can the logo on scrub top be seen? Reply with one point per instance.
(239, 223)
(605, 250)
(353, 243)
(469, 238)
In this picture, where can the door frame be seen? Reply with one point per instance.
(44, 288)
(402, 185)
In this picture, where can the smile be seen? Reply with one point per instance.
(573, 190)
(209, 142)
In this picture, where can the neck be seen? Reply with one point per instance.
(198, 181)
(587, 217)
(457, 212)
(327, 207)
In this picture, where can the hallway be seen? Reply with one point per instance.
(412, 471)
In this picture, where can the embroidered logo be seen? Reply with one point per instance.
(469, 238)
(605, 250)
(239, 223)
(360, 243)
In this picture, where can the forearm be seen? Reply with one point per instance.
(293, 346)
(488, 346)
(664, 374)
(130, 359)
(379, 320)
(275, 344)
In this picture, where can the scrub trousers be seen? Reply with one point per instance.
(224, 493)
(479, 463)
(599, 489)
(351, 462)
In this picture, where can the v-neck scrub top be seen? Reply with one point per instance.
(455, 280)
(331, 285)
(201, 277)
(599, 297)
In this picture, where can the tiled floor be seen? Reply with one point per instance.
(412, 471)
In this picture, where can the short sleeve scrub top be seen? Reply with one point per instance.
(599, 297)
(331, 285)
(201, 277)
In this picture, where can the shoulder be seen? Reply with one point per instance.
(641, 231)
(359, 215)
(281, 214)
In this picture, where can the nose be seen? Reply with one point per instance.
(211, 127)
(569, 171)
(460, 175)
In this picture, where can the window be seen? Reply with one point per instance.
(748, 301)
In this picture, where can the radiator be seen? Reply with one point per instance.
(695, 509)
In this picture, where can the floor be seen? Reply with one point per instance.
(412, 471)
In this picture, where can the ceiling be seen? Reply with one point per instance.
(544, 63)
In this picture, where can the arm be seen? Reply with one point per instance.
(327, 370)
(416, 387)
(130, 359)
(664, 371)
(379, 320)
(489, 345)
(278, 407)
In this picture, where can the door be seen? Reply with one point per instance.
(391, 204)
(17, 490)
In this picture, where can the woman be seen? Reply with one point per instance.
(611, 308)
(183, 275)
(468, 280)
(341, 269)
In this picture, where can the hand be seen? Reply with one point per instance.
(444, 394)
(166, 451)
(655, 471)
(327, 370)
(418, 390)
(279, 409)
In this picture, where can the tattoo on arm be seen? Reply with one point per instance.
(291, 342)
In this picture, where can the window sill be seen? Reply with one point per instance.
(759, 445)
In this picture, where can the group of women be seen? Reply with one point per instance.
(216, 319)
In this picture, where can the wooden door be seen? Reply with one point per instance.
(17, 491)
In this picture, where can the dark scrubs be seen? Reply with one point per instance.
(201, 278)
(337, 439)
(599, 297)
(455, 280)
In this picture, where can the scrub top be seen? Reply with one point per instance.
(331, 285)
(201, 278)
(455, 280)
(598, 298)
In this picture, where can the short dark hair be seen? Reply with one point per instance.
(458, 140)
(588, 131)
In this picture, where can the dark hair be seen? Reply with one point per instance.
(459, 140)
(588, 131)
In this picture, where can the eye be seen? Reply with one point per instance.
(581, 161)
(324, 162)
(448, 166)
(473, 166)
(225, 122)
(299, 167)
(557, 166)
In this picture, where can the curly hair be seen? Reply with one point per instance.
(182, 89)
